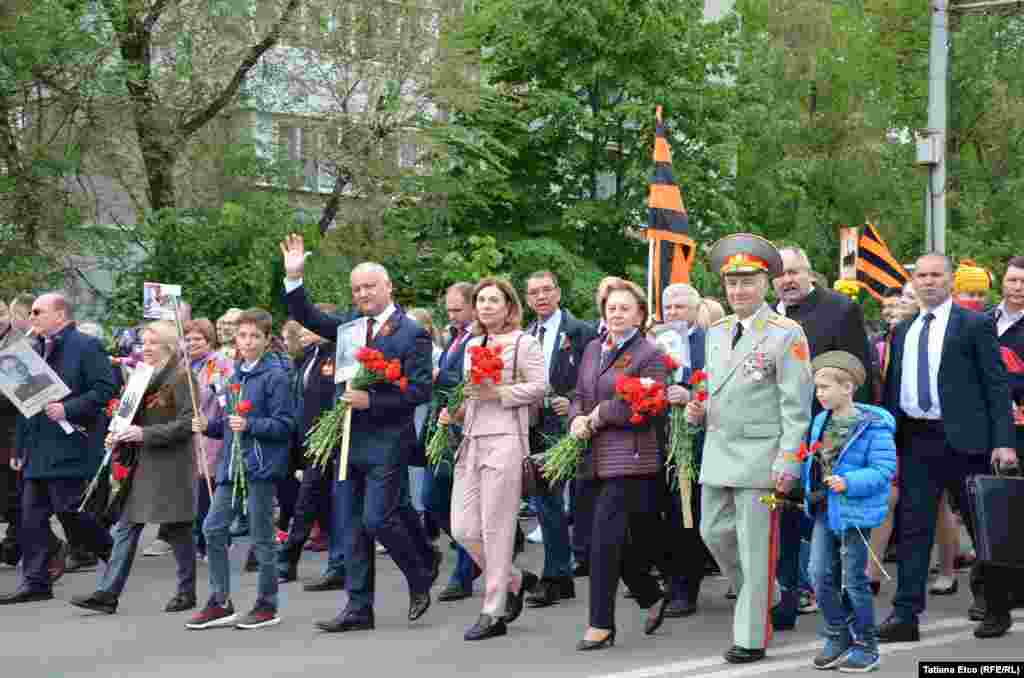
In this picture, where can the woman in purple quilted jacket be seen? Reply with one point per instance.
(625, 466)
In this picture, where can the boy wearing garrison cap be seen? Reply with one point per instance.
(847, 474)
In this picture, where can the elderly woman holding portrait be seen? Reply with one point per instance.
(161, 481)
(489, 465)
(626, 466)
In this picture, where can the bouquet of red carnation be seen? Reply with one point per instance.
(237, 406)
(679, 460)
(485, 364)
(327, 432)
(646, 397)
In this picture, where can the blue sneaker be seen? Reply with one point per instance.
(837, 645)
(860, 659)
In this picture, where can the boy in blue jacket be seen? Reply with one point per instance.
(847, 477)
(263, 421)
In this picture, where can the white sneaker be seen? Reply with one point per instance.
(158, 547)
(535, 537)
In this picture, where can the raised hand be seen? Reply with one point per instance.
(293, 249)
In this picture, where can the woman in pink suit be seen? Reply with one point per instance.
(488, 470)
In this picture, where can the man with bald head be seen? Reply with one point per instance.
(58, 464)
(370, 500)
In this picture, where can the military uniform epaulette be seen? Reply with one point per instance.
(782, 321)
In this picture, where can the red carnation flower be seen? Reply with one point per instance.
(113, 406)
(236, 388)
(403, 384)
(670, 363)
(637, 418)
(244, 407)
(701, 396)
(120, 471)
(393, 372)
(698, 377)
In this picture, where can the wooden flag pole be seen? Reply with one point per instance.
(192, 393)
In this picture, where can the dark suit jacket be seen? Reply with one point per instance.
(570, 343)
(973, 390)
(82, 363)
(833, 322)
(384, 434)
(1013, 339)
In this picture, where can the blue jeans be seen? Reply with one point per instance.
(837, 567)
(126, 543)
(555, 529)
(261, 530)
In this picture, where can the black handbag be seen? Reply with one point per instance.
(995, 501)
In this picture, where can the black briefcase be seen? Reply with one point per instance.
(996, 503)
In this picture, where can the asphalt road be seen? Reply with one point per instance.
(55, 639)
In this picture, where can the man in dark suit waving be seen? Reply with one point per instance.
(947, 386)
(370, 499)
(563, 339)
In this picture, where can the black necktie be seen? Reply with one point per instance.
(924, 375)
(369, 330)
(739, 335)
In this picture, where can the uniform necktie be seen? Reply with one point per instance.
(369, 330)
(739, 335)
(47, 347)
(924, 375)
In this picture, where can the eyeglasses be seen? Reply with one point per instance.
(546, 291)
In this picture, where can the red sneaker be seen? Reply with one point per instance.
(213, 616)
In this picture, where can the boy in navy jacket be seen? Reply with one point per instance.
(263, 421)
(847, 475)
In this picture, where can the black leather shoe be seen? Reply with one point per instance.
(893, 630)
(652, 625)
(99, 601)
(550, 591)
(977, 611)
(994, 626)
(10, 552)
(678, 609)
(325, 583)
(454, 592)
(514, 601)
(743, 655)
(181, 602)
(25, 597)
(587, 645)
(287, 573)
(581, 570)
(347, 621)
(419, 603)
(486, 627)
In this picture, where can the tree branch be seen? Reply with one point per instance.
(154, 14)
(256, 52)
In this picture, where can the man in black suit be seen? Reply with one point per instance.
(832, 322)
(57, 464)
(438, 484)
(563, 339)
(370, 500)
(947, 387)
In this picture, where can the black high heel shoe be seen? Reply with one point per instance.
(514, 601)
(652, 625)
(586, 645)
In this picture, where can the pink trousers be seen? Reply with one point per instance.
(485, 508)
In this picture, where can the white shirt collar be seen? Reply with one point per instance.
(941, 312)
(749, 320)
(553, 322)
(1006, 314)
(380, 319)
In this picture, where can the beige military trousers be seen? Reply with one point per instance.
(739, 530)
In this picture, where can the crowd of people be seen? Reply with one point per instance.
(824, 450)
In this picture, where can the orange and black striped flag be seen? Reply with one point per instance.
(671, 252)
(877, 269)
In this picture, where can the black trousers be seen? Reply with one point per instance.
(42, 499)
(626, 540)
(582, 495)
(693, 554)
(928, 466)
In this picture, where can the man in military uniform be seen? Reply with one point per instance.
(757, 413)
